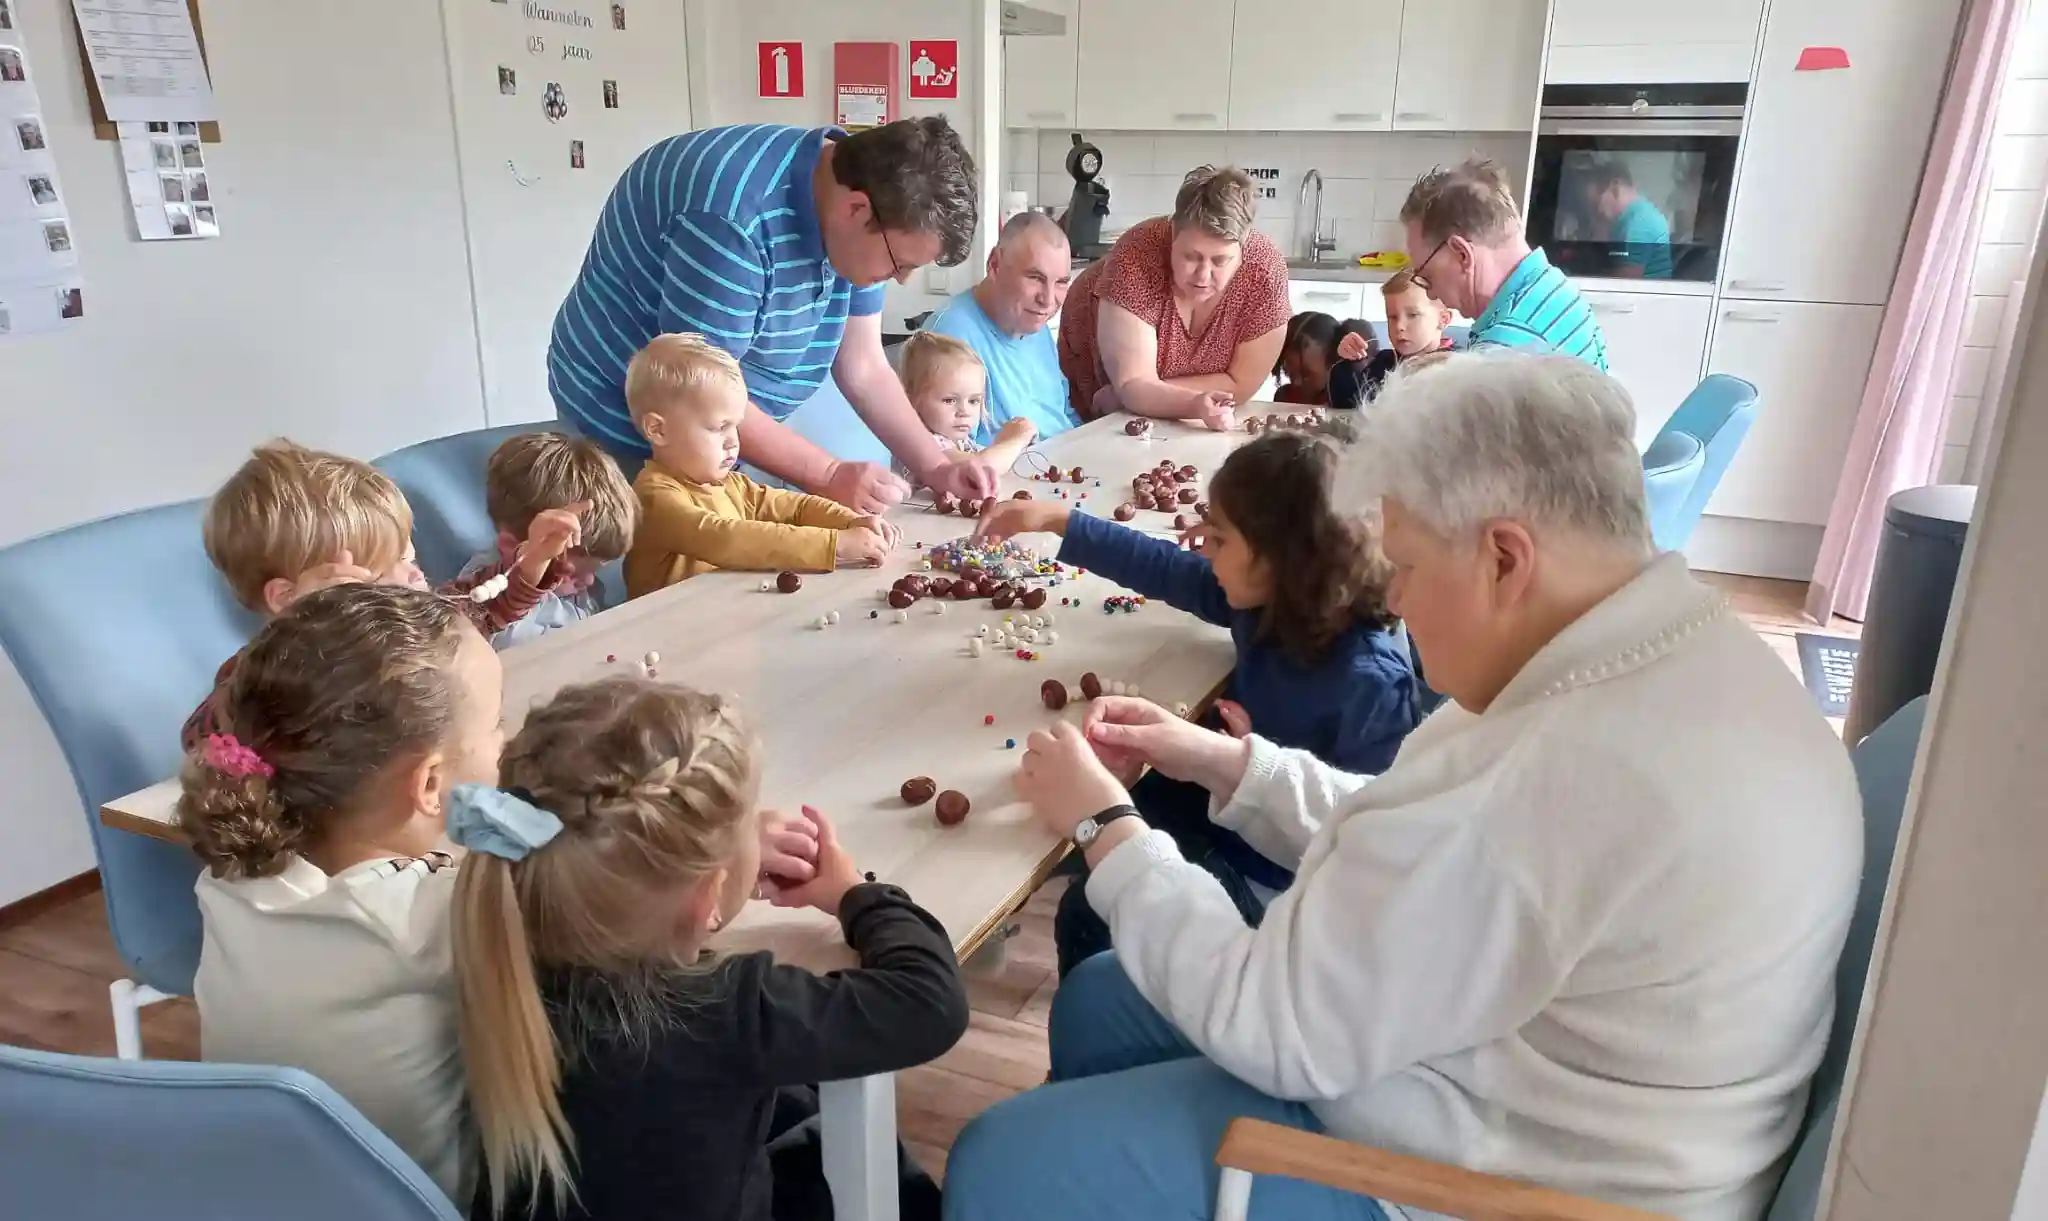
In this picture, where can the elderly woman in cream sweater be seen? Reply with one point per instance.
(1581, 933)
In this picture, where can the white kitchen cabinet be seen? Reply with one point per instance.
(1831, 161)
(1809, 363)
(1468, 65)
(1155, 65)
(1295, 67)
(1655, 347)
(1337, 298)
(1626, 42)
(1039, 72)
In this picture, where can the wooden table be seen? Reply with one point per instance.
(848, 712)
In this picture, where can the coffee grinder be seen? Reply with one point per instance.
(1090, 201)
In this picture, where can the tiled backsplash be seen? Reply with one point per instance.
(1366, 175)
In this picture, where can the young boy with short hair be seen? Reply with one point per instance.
(1415, 327)
(563, 509)
(697, 512)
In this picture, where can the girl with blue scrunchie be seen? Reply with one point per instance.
(616, 1068)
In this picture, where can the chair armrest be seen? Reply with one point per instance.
(1264, 1148)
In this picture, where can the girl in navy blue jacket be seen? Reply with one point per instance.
(1320, 664)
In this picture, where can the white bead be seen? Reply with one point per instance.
(1047, 618)
(766, 586)
(824, 621)
(902, 616)
(982, 631)
(653, 658)
(938, 608)
(1181, 711)
(1116, 687)
(1052, 637)
(925, 565)
(1132, 691)
(974, 647)
(833, 617)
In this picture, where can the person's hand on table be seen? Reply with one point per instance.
(1125, 731)
(861, 547)
(1353, 347)
(863, 487)
(1013, 517)
(970, 479)
(789, 854)
(1065, 782)
(834, 874)
(1217, 409)
(1195, 537)
(892, 535)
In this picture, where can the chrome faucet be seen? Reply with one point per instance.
(1318, 245)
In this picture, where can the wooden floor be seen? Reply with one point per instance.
(56, 965)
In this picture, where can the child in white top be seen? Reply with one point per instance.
(317, 803)
(948, 386)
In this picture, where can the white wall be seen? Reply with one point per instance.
(723, 38)
(1366, 175)
(335, 307)
(2019, 187)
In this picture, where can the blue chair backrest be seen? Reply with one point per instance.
(443, 480)
(1719, 412)
(117, 627)
(1884, 766)
(1671, 468)
(111, 1140)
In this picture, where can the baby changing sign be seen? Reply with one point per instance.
(935, 69)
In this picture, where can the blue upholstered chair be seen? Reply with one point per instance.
(1716, 416)
(443, 480)
(1884, 765)
(117, 627)
(112, 1140)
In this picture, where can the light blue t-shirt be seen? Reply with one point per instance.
(1645, 238)
(1024, 377)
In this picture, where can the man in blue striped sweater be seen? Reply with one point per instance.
(774, 243)
(1468, 251)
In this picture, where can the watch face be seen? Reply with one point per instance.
(1085, 834)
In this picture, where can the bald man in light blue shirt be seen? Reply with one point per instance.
(1003, 318)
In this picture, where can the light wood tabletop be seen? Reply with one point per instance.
(848, 712)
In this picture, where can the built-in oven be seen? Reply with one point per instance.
(1632, 181)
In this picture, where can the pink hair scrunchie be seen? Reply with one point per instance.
(225, 752)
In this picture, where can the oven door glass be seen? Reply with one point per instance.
(1637, 207)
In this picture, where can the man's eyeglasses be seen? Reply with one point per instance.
(900, 269)
(1415, 273)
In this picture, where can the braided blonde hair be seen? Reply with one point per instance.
(654, 784)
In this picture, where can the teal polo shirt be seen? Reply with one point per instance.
(1645, 238)
(1539, 309)
(1024, 378)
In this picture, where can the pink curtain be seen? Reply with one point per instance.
(1897, 440)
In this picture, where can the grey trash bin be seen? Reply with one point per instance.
(1917, 561)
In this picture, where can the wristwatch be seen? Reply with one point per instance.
(1087, 829)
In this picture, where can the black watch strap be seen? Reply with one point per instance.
(1115, 812)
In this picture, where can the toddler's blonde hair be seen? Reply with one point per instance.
(653, 783)
(290, 508)
(534, 471)
(927, 354)
(674, 366)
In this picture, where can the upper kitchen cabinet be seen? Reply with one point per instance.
(1831, 160)
(1155, 65)
(1467, 65)
(1627, 42)
(1038, 71)
(1314, 65)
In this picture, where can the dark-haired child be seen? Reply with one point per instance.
(1309, 359)
(1302, 588)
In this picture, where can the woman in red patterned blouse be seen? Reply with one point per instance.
(1185, 317)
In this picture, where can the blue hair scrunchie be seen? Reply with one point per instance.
(491, 820)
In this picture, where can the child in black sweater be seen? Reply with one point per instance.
(617, 1071)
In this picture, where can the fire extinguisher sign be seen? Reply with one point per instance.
(935, 69)
(782, 69)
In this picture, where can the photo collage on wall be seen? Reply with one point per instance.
(40, 288)
(545, 42)
(169, 188)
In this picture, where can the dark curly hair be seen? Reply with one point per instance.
(1328, 572)
(333, 691)
(918, 178)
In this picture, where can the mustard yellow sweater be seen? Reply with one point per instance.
(687, 528)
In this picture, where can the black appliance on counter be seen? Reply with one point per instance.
(1090, 201)
(1634, 181)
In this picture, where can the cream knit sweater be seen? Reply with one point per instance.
(1586, 938)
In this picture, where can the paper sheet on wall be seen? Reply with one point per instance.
(39, 285)
(168, 188)
(145, 55)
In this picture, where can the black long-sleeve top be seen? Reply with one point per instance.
(670, 1104)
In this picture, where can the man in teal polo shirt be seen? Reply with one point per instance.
(1003, 318)
(1467, 249)
(1634, 224)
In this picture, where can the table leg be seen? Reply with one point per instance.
(858, 1122)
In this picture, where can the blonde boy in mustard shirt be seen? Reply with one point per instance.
(697, 512)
